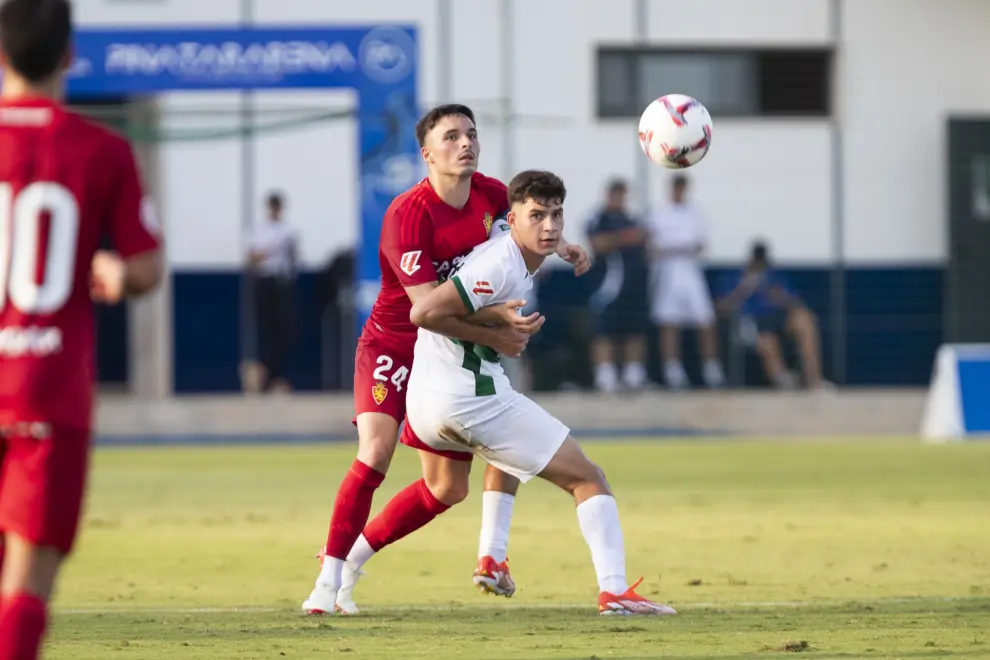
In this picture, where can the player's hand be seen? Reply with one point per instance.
(106, 283)
(576, 256)
(509, 341)
(529, 325)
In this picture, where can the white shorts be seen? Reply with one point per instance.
(681, 297)
(507, 430)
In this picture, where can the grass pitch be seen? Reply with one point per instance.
(867, 549)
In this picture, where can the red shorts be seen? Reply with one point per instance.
(380, 375)
(410, 439)
(42, 481)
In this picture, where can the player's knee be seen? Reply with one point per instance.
(376, 443)
(594, 477)
(449, 491)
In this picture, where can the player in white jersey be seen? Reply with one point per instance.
(461, 403)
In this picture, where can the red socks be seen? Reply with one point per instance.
(352, 508)
(23, 618)
(409, 510)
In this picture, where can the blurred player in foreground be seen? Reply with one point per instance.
(426, 233)
(462, 404)
(64, 183)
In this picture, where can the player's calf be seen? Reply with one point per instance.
(598, 517)
(29, 574)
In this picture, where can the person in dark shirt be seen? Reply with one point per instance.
(762, 294)
(621, 303)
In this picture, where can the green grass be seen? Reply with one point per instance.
(868, 549)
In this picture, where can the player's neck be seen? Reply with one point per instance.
(15, 87)
(453, 190)
(532, 260)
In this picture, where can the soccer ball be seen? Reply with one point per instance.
(675, 131)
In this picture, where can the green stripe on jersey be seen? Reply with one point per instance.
(484, 385)
(463, 293)
(484, 352)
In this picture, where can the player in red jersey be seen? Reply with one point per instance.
(64, 183)
(426, 232)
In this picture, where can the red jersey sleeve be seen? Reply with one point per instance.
(407, 242)
(133, 220)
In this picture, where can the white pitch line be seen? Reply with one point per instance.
(522, 606)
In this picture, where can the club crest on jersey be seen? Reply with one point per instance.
(483, 288)
(379, 392)
(409, 263)
(488, 222)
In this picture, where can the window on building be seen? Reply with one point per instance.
(731, 83)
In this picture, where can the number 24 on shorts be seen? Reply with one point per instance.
(385, 365)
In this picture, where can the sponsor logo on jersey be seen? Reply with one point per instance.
(483, 288)
(379, 392)
(488, 222)
(409, 263)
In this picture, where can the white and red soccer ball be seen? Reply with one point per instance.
(675, 131)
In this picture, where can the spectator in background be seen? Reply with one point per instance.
(620, 303)
(761, 295)
(680, 295)
(272, 260)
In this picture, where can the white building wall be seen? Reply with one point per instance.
(762, 178)
(899, 84)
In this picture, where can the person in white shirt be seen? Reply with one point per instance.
(272, 259)
(680, 293)
(461, 404)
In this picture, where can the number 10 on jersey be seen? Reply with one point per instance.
(21, 227)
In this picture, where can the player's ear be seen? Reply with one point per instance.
(425, 153)
(510, 217)
(69, 57)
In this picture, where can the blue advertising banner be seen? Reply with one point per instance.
(378, 62)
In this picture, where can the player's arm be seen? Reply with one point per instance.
(446, 309)
(447, 316)
(137, 266)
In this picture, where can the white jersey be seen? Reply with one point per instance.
(492, 274)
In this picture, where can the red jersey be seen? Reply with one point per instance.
(64, 183)
(423, 238)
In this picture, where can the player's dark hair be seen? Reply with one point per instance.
(680, 181)
(35, 36)
(276, 200)
(544, 187)
(433, 117)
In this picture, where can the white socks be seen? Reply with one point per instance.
(634, 375)
(496, 518)
(599, 520)
(606, 377)
(360, 553)
(711, 371)
(331, 572)
(674, 374)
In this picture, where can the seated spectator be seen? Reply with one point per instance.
(763, 295)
